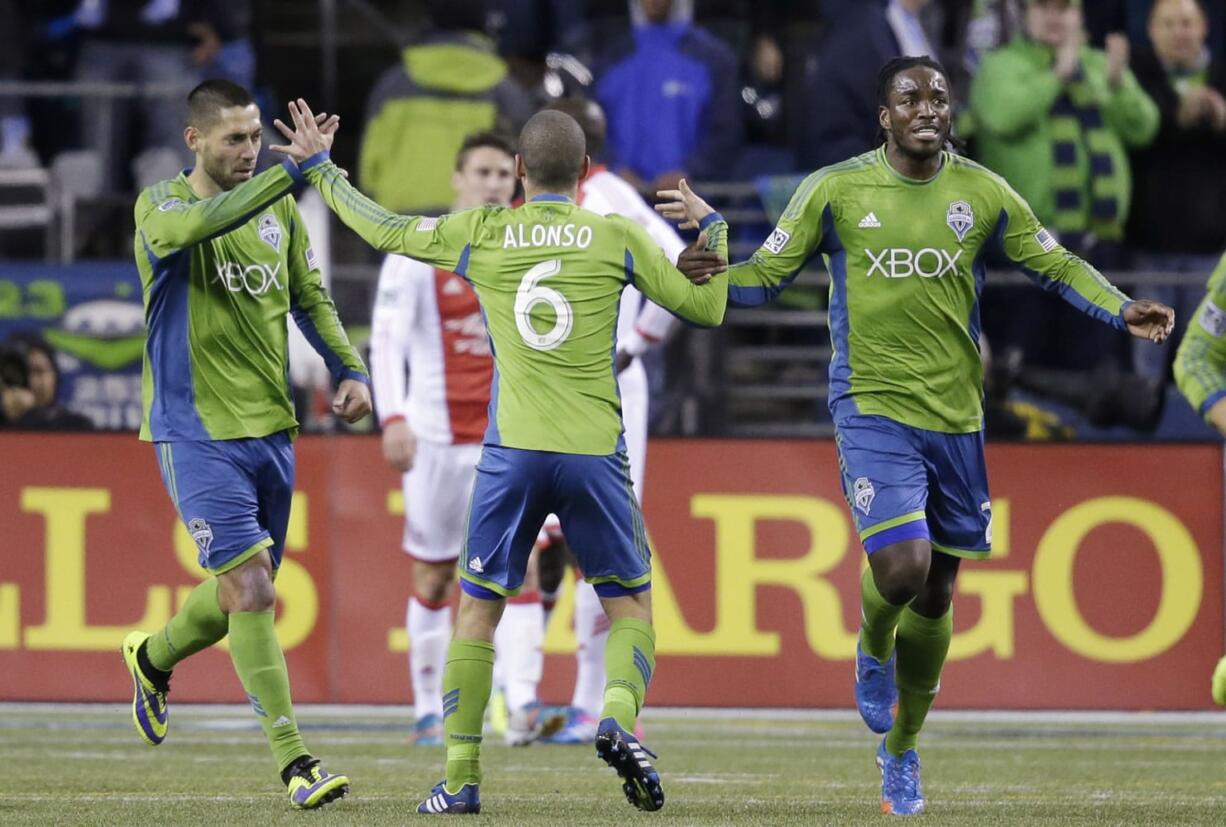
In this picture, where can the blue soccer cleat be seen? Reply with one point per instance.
(465, 802)
(150, 715)
(901, 791)
(427, 732)
(311, 786)
(876, 693)
(622, 751)
(580, 728)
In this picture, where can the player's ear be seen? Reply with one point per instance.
(191, 137)
(586, 167)
(520, 171)
(883, 118)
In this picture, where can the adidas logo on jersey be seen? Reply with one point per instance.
(869, 221)
(475, 565)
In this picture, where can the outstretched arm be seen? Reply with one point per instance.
(1036, 253)
(436, 241)
(168, 223)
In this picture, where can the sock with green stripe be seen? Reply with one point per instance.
(260, 665)
(878, 619)
(923, 643)
(629, 660)
(467, 682)
(198, 625)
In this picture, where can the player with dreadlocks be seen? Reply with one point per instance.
(904, 231)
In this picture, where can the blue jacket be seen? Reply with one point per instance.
(839, 115)
(670, 95)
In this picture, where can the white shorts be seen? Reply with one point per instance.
(436, 493)
(632, 385)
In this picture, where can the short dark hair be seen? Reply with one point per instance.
(479, 140)
(210, 97)
(590, 117)
(553, 148)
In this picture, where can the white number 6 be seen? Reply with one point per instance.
(530, 294)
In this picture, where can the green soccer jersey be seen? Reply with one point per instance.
(219, 276)
(906, 260)
(1200, 365)
(549, 276)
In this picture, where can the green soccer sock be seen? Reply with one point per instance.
(923, 644)
(629, 660)
(260, 665)
(467, 682)
(198, 625)
(878, 619)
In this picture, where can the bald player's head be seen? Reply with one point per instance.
(552, 153)
(590, 118)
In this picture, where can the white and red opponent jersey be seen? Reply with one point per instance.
(641, 323)
(429, 320)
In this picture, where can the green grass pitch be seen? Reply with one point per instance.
(85, 765)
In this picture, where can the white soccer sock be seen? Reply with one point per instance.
(591, 633)
(429, 631)
(517, 643)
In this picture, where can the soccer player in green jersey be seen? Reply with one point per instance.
(904, 230)
(1200, 372)
(549, 277)
(224, 259)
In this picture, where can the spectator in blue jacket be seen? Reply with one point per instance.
(670, 93)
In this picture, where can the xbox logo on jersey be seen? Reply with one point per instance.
(253, 279)
(901, 263)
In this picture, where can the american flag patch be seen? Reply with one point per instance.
(312, 260)
(426, 225)
(1046, 240)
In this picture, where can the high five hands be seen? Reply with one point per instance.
(683, 204)
(311, 134)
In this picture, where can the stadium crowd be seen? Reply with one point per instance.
(1108, 116)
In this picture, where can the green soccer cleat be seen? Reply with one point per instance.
(150, 715)
(1219, 683)
(311, 786)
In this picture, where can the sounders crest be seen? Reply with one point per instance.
(270, 231)
(863, 494)
(960, 218)
(202, 534)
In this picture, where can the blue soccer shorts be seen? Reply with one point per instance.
(594, 499)
(904, 483)
(233, 495)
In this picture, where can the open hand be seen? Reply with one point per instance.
(310, 134)
(698, 264)
(352, 400)
(1149, 320)
(683, 204)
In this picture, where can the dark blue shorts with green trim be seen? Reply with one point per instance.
(904, 483)
(233, 495)
(594, 499)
